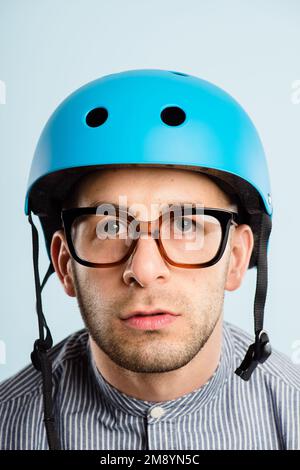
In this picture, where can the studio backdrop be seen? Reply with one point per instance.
(50, 48)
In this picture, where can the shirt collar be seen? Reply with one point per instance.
(172, 408)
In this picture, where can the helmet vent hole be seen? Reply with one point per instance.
(173, 116)
(96, 117)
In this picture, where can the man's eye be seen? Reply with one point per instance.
(110, 228)
(184, 224)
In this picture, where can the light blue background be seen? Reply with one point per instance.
(50, 48)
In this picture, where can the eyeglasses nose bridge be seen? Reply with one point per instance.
(151, 227)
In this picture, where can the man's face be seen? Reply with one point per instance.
(146, 281)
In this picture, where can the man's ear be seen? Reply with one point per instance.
(242, 242)
(61, 260)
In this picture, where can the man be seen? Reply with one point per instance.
(155, 366)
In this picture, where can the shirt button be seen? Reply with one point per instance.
(157, 412)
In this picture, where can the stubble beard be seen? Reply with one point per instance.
(149, 351)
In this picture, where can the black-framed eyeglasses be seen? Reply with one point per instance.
(189, 237)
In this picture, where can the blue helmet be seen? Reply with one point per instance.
(153, 118)
(148, 118)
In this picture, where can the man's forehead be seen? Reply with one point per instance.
(158, 178)
(140, 194)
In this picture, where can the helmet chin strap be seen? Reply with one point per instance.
(260, 350)
(39, 356)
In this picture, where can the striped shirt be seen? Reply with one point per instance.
(225, 413)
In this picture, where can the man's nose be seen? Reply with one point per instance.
(146, 264)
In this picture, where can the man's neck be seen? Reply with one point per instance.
(159, 387)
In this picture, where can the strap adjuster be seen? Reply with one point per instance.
(258, 352)
(40, 347)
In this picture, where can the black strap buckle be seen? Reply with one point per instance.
(40, 346)
(258, 352)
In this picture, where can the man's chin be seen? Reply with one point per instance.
(158, 359)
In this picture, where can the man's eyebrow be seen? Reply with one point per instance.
(170, 203)
(99, 203)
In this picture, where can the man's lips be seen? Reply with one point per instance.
(144, 312)
(150, 319)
